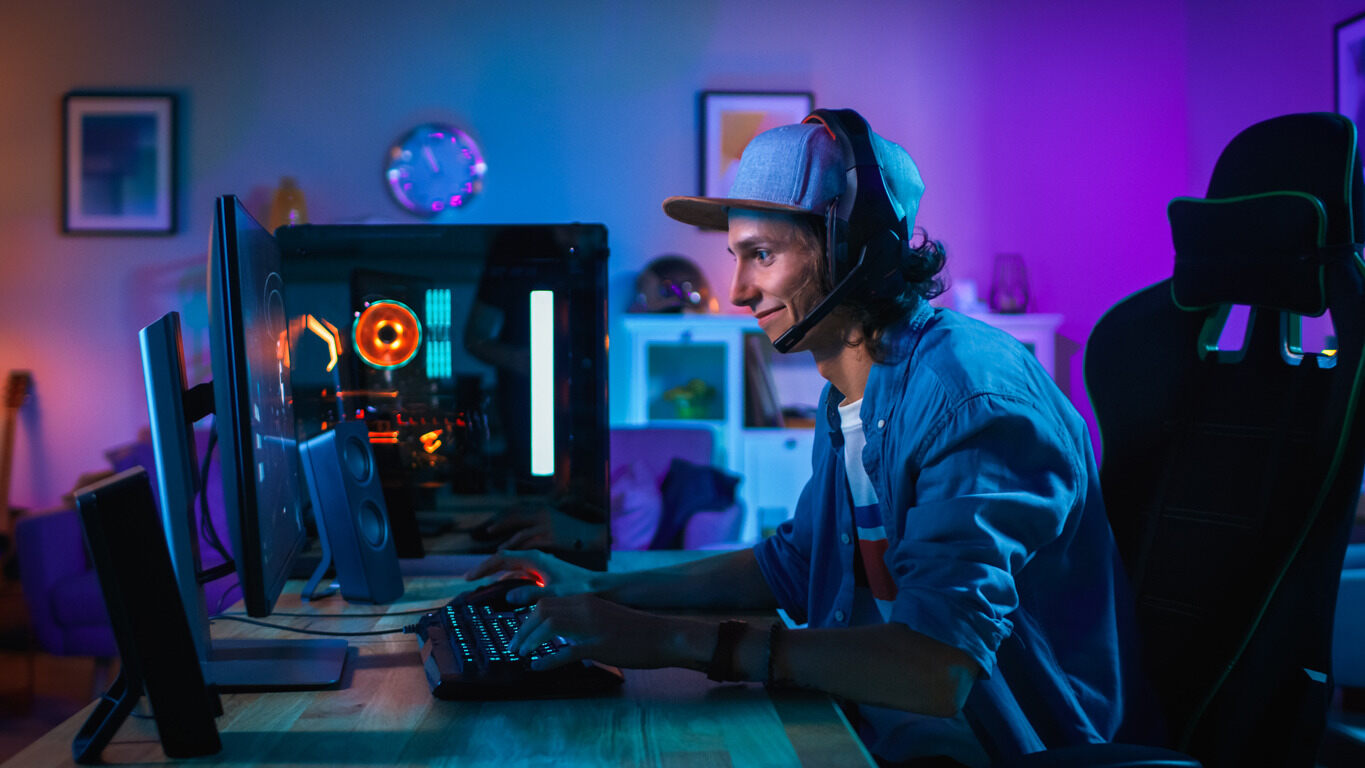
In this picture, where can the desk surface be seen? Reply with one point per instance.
(383, 714)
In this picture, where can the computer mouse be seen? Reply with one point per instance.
(495, 595)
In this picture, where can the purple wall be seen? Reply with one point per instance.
(1058, 130)
(1084, 147)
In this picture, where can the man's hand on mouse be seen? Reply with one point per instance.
(559, 578)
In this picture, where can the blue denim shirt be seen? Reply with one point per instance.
(997, 538)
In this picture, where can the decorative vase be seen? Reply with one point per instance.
(1009, 284)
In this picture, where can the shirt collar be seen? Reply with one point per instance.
(900, 339)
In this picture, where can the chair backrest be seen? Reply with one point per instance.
(1230, 475)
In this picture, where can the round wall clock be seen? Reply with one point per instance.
(434, 168)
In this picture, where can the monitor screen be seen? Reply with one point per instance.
(254, 418)
(476, 355)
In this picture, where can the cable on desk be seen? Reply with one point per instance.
(408, 629)
(432, 609)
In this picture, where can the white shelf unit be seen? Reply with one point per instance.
(1038, 332)
(666, 352)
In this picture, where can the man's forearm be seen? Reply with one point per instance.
(731, 580)
(886, 665)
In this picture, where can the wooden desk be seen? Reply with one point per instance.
(384, 714)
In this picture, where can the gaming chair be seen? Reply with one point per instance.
(1231, 475)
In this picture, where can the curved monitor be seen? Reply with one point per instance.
(249, 345)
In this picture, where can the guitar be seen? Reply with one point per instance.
(16, 392)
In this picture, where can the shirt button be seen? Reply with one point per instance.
(881, 423)
(838, 615)
(844, 538)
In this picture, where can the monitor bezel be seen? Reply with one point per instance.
(232, 407)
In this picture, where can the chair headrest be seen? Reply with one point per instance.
(1260, 250)
(1285, 199)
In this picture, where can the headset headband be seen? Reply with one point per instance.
(865, 206)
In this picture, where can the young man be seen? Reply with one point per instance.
(950, 553)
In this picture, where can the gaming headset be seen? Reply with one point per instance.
(860, 221)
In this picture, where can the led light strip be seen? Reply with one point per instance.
(542, 383)
(438, 323)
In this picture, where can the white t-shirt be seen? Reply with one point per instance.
(892, 733)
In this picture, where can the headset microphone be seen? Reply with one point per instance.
(865, 279)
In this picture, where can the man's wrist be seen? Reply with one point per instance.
(692, 643)
(603, 584)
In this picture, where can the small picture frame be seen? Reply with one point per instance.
(730, 119)
(118, 163)
(1350, 67)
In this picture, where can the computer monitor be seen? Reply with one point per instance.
(253, 408)
(250, 396)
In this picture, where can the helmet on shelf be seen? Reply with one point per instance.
(672, 283)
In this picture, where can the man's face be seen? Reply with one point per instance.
(775, 272)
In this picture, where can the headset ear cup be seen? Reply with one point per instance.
(886, 277)
(840, 262)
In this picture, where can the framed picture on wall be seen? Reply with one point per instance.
(118, 163)
(1350, 68)
(729, 119)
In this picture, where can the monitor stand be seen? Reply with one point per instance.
(241, 664)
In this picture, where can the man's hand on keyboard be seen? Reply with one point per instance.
(560, 578)
(604, 631)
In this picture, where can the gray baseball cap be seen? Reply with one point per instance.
(799, 169)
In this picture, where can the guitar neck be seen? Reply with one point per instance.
(7, 460)
(16, 390)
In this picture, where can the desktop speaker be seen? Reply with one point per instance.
(353, 523)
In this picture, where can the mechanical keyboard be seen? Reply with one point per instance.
(465, 654)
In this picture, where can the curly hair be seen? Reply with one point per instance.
(921, 266)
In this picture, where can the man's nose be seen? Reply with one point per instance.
(742, 292)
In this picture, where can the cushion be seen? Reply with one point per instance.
(635, 506)
(689, 488)
(713, 530)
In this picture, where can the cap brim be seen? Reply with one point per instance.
(714, 212)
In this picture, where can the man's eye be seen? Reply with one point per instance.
(763, 255)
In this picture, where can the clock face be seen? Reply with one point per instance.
(434, 168)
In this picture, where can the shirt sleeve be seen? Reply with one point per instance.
(994, 483)
(784, 559)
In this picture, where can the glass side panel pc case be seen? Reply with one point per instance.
(477, 357)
